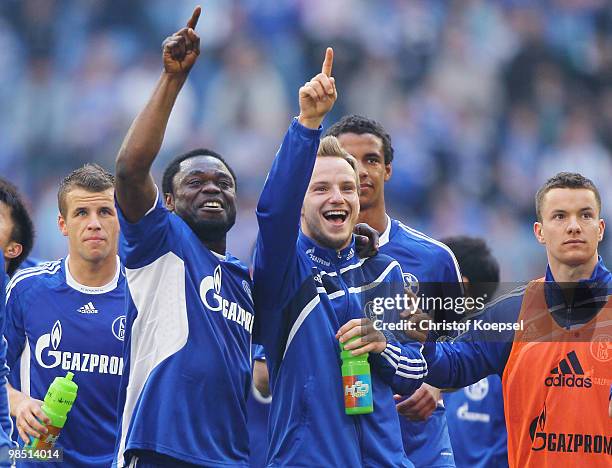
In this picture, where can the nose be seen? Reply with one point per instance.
(210, 187)
(94, 223)
(573, 226)
(361, 170)
(335, 195)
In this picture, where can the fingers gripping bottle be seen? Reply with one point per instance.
(58, 402)
(356, 382)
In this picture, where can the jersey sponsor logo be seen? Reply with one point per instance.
(601, 347)
(477, 391)
(314, 258)
(464, 413)
(49, 355)
(567, 374)
(210, 293)
(118, 327)
(411, 282)
(542, 441)
(88, 308)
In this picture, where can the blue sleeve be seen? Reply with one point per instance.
(14, 328)
(5, 420)
(278, 215)
(258, 353)
(474, 354)
(147, 239)
(401, 365)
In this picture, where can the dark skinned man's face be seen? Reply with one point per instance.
(204, 196)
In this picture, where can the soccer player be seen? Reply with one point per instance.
(67, 315)
(190, 312)
(429, 267)
(310, 292)
(475, 414)
(16, 228)
(552, 344)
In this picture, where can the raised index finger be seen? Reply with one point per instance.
(193, 21)
(328, 62)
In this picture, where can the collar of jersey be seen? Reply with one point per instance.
(74, 284)
(594, 289)
(326, 258)
(386, 234)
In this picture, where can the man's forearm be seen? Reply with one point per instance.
(144, 138)
(135, 189)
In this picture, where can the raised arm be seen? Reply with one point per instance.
(135, 189)
(280, 203)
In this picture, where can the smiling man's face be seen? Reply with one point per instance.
(331, 203)
(204, 196)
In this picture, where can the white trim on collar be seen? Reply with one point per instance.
(218, 255)
(74, 284)
(384, 237)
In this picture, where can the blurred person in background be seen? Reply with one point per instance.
(55, 309)
(475, 414)
(546, 57)
(429, 268)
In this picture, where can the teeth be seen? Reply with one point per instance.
(212, 204)
(343, 214)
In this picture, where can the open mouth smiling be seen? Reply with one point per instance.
(336, 217)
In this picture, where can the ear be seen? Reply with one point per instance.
(538, 231)
(13, 249)
(466, 286)
(602, 228)
(388, 171)
(169, 201)
(61, 223)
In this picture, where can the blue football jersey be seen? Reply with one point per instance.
(430, 269)
(188, 341)
(55, 325)
(477, 425)
(6, 425)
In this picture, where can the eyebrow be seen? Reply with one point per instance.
(586, 208)
(216, 172)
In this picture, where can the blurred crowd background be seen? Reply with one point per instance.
(484, 100)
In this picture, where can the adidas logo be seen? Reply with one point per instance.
(567, 372)
(88, 309)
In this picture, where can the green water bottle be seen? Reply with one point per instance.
(58, 402)
(356, 382)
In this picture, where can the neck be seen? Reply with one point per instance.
(217, 245)
(570, 274)
(93, 274)
(375, 217)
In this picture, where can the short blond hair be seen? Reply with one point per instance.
(330, 147)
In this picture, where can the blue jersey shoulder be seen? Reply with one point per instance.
(29, 281)
(406, 241)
